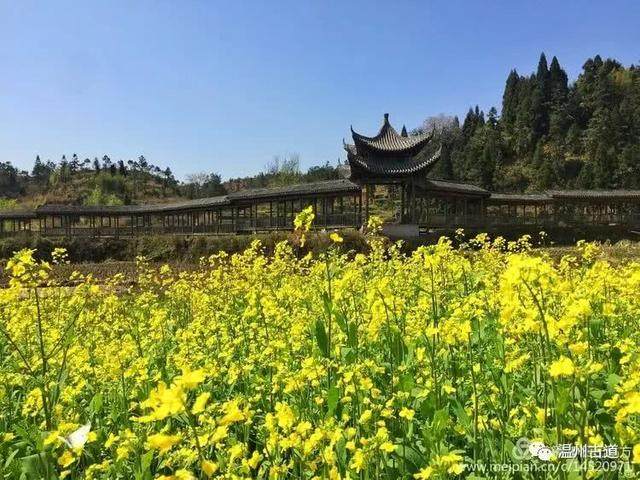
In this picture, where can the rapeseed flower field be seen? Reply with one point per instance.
(384, 365)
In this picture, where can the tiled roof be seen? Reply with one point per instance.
(519, 198)
(595, 194)
(131, 209)
(455, 187)
(16, 214)
(190, 204)
(390, 153)
(53, 208)
(392, 166)
(327, 186)
(388, 140)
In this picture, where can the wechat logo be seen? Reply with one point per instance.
(524, 449)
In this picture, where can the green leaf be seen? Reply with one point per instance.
(462, 415)
(353, 335)
(326, 301)
(321, 338)
(96, 403)
(413, 459)
(10, 458)
(406, 382)
(613, 380)
(341, 320)
(333, 397)
(38, 466)
(397, 348)
(440, 421)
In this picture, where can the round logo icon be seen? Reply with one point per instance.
(544, 453)
(521, 449)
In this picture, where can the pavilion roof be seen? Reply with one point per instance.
(393, 165)
(389, 140)
(390, 154)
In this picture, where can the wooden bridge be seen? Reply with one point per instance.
(336, 204)
(398, 161)
(435, 205)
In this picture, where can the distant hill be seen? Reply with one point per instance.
(134, 182)
(87, 182)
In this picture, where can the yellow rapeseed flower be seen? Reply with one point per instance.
(209, 467)
(336, 238)
(162, 442)
(563, 367)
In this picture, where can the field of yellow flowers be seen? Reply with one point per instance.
(336, 366)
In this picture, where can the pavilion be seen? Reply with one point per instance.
(392, 158)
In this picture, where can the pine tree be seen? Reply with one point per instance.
(510, 101)
(558, 83)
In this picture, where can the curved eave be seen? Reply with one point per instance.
(389, 141)
(398, 168)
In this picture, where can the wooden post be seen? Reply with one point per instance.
(401, 203)
(324, 211)
(366, 205)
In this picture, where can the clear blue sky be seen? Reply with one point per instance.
(225, 86)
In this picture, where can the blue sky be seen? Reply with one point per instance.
(225, 86)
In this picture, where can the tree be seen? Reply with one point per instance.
(555, 134)
(201, 185)
(74, 165)
(41, 171)
(438, 123)
(510, 101)
(9, 179)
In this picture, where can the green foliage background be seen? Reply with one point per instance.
(552, 133)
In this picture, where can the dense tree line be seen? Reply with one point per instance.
(551, 133)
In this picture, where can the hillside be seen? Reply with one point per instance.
(86, 183)
(134, 182)
(551, 133)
